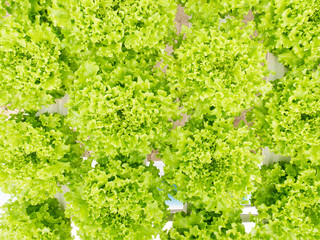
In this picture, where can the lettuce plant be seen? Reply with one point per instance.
(288, 116)
(128, 102)
(203, 224)
(216, 72)
(118, 201)
(27, 221)
(212, 167)
(286, 119)
(289, 29)
(130, 69)
(33, 71)
(288, 202)
(36, 154)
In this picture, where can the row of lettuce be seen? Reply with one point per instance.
(103, 53)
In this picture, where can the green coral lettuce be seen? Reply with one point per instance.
(26, 221)
(116, 200)
(289, 29)
(36, 154)
(32, 71)
(287, 199)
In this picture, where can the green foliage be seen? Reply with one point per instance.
(217, 70)
(125, 90)
(210, 164)
(120, 105)
(32, 71)
(290, 30)
(210, 11)
(118, 201)
(203, 224)
(36, 154)
(287, 120)
(288, 116)
(122, 119)
(100, 50)
(287, 198)
(127, 100)
(25, 221)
